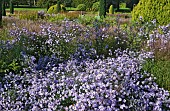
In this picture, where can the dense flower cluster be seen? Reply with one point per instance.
(159, 39)
(77, 68)
(65, 39)
(104, 84)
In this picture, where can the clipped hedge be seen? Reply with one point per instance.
(122, 5)
(152, 9)
(81, 7)
(53, 9)
(95, 6)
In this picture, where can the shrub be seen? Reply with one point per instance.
(57, 18)
(95, 6)
(152, 9)
(88, 3)
(124, 10)
(122, 5)
(160, 69)
(53, 9)
(86, 19)
(111, 9)
(72, 15)
(81, 7)
(28, 15)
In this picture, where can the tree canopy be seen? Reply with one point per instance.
(152, 9)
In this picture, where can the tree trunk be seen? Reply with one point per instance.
(11, 7)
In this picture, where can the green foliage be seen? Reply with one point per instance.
(68, 101)
(58, 9)
(81, 7)
(58, 18)
(73, 15)
(161, 70)
(71, 9)
(3, 8)
(152, 9)
(95, 6)
(0, 13)
(122, 5)
(131, 3)
(48, 5)
(75, 3)
(42, 3)
(86, 20)
(10, 57)
(11, 7)
(111, 9)
(53, 9)
(6, 66)
(88, 3)
(124, 10)
(28, 15)
(102, 9)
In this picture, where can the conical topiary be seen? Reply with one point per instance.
(11, 7)
(102, 8)
(111, 9)
(152, 9)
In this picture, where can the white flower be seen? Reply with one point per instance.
(122, 106)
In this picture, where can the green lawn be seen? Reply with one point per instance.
(31, 9)
(37, 9)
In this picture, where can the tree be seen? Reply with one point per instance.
(67, 3)
(115, 3)
(3, 8)
(48, 4)
(102, 9)
(130, 3)
(118, 4)
(1, 13)
(58, 6)
(11, 7)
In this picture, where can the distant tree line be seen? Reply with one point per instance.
(71, 3)
(105, 4)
